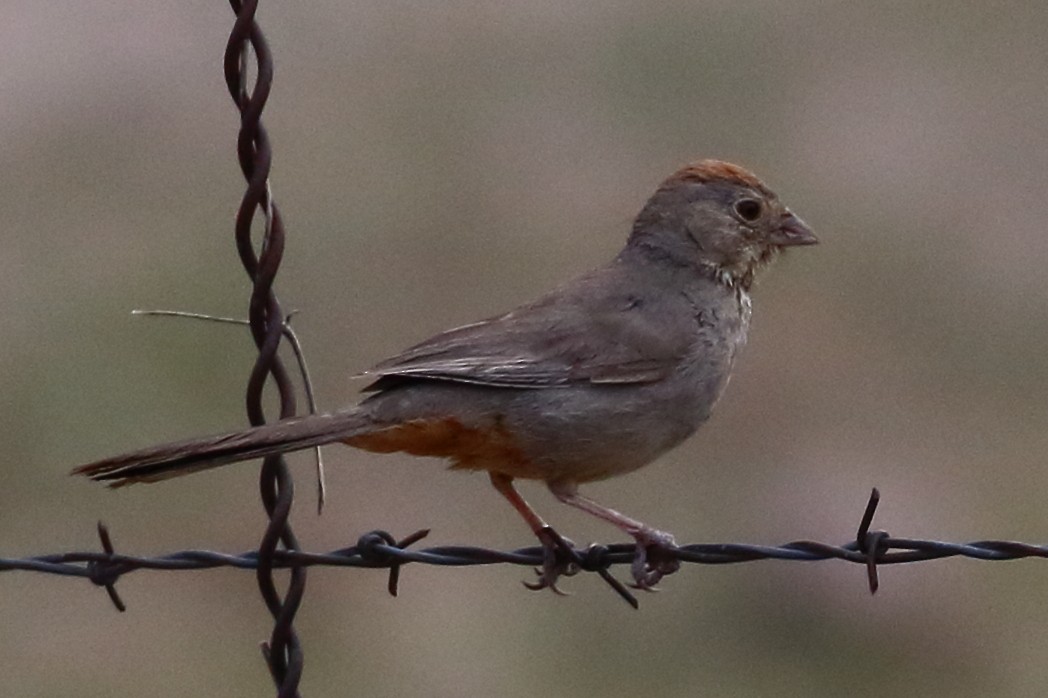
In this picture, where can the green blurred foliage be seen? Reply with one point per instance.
(439, 162)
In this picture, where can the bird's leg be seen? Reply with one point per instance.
(559, 556)
(651, 562)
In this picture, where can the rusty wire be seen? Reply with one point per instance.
(378, 549)
(283, 652)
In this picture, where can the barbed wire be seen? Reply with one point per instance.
(380, 550)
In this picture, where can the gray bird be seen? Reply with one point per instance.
(594, 379)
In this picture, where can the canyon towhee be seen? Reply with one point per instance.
(594, 379)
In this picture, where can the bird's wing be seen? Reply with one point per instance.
(559, 341)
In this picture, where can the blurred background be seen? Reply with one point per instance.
(441, 162)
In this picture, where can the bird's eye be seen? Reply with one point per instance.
(748, 210)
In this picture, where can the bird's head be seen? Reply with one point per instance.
(718, 217)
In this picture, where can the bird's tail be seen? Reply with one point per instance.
(184, 457)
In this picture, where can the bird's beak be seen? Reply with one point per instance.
(792, 231)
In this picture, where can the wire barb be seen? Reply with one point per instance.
(104, 572)
(596, 560)
(374, 549)
(393, 585)
(871, 543)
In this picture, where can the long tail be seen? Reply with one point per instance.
(184, 457)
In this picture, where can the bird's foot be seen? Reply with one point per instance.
(654, 559)
(559, 559)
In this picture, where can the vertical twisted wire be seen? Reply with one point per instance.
(283, 652)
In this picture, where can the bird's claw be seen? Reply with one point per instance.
(654, 558)
(559, 559)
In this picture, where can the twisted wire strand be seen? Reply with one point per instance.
(283, 652)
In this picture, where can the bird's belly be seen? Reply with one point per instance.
(574, 433)
(598, 432)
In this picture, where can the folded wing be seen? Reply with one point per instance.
(569, 337)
